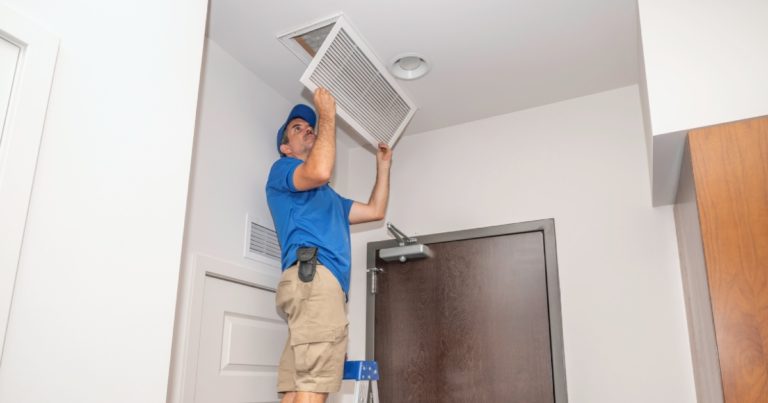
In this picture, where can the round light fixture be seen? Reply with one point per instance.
(409, 67)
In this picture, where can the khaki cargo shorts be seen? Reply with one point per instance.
(313, 358)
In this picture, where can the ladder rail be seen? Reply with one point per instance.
(366, 376)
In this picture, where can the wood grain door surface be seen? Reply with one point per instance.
(468, 325)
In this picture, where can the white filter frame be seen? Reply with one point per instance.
(343, 23)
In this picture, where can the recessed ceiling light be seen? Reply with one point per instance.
(409, 67)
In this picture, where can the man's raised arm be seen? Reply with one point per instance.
(317, 168)
(376, 208)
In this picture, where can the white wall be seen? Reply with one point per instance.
(93, 309)
(581, 162)
(705, 63)
(234, 149)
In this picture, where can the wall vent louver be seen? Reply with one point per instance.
(261, 243)
(367, 97)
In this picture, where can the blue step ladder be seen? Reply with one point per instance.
(366, 377)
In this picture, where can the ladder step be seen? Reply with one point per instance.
(361, 370)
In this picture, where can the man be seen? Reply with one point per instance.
(312, 223)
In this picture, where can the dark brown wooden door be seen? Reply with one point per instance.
(468, 325)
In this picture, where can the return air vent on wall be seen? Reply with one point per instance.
(261, 243)
(367, 97)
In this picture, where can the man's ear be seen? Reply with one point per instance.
(285, 149)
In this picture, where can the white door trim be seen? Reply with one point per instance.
(187, 341)
(20, 142)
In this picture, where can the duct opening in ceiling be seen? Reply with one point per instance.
(312, 40)
(306, 41)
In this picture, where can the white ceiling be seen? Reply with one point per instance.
(488, 57)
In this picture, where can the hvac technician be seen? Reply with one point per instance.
(312, 223)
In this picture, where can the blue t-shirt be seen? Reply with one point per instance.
(318, 217)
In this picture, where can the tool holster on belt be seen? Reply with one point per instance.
(307, 257)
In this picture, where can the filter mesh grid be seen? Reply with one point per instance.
(360, 89)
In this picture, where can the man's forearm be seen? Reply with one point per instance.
(380, 193)
(376, 208)
(323, 155)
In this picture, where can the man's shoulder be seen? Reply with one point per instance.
(279, 174)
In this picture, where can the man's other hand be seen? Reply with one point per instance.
(384, 155)
(325, 104)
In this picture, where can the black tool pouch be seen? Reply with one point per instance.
(307, 263)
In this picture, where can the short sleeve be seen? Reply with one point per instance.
(347, 204)
(281, 175)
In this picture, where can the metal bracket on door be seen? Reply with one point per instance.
(374, 273)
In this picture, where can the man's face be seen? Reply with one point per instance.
(301, 137)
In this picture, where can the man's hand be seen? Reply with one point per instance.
(383, 156)
(325, 104)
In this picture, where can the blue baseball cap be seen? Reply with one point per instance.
(299, 111)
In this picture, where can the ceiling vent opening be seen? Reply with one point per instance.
(304, 42)
(261, 243)
(312, 41)
(367, 96)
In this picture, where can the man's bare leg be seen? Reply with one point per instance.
(288, 397)
(304, 397)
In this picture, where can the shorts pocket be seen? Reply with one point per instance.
(321, 357)
(284, 296)
(314, 358)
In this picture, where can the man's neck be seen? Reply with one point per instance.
(300, 157)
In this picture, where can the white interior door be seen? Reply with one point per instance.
(27, 58)
(241, 339)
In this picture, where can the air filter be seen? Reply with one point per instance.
(367, 96)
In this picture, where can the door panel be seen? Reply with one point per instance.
(241, 339)
(468, 325)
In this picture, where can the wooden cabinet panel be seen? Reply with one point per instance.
(730, 171)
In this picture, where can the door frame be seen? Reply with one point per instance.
(547, 228)
(20, 137)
